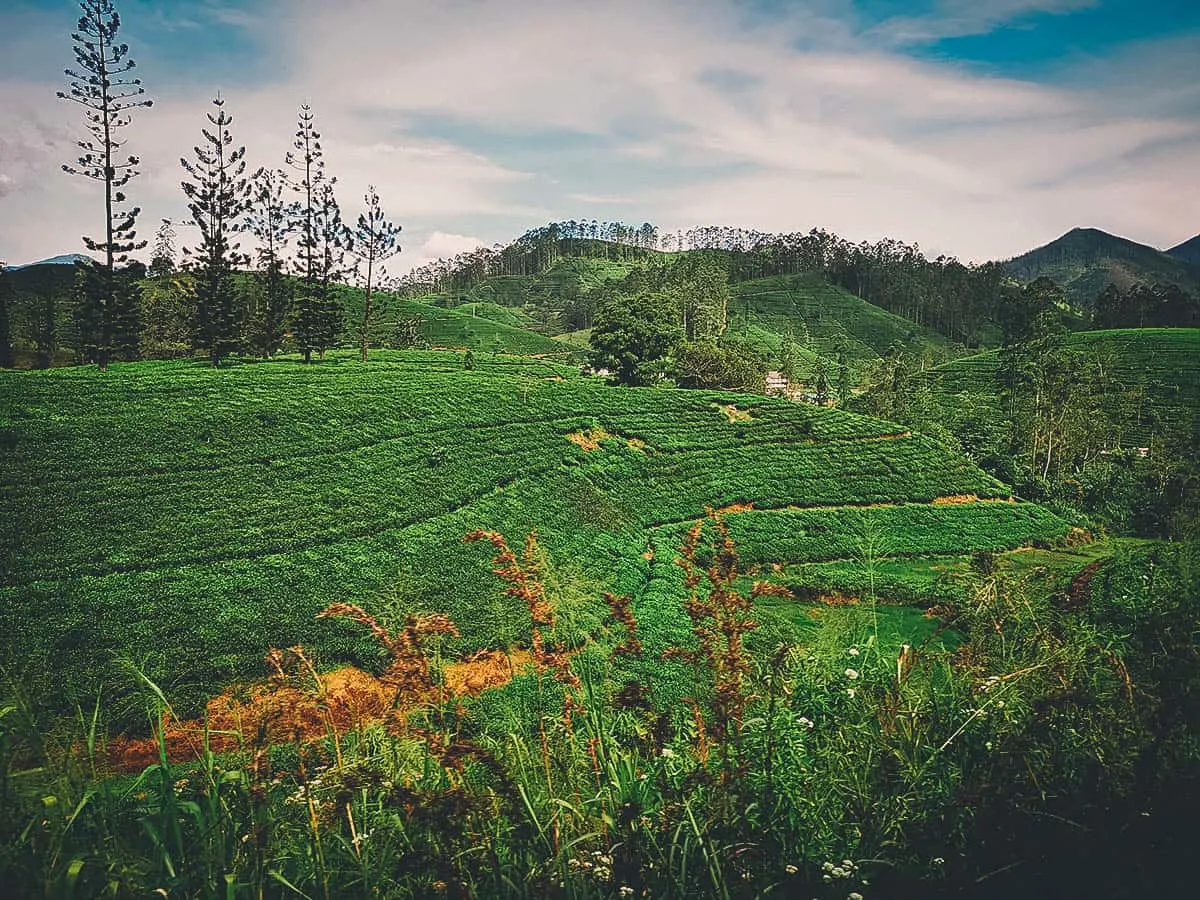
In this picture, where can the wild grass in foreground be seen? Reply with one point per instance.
(833, 769)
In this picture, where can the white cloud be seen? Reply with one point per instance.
(807, 126)
(960, 18)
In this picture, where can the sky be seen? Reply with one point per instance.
(975, 128)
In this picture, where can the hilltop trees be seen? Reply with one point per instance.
(216, 189)
(270, 221)
(373, 242)
(102, 86)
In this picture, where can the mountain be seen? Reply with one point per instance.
(1188, 251)
(66, 259)
(1086, 260)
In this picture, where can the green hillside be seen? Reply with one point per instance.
(477, 325)
(824, 321)
(1156, 370)
(562, 280)
(190, 518)
(1084, 261)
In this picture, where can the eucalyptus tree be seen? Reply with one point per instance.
(373, 241)
(102, 85)
(271, 221)
(217, 192)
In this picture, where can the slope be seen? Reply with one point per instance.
(823, 321)
(1156, 372)
(479, 326)
(191, 518)
(1086, 260)
(1188, 251)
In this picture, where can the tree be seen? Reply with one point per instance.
(332, 239)
(843, 379)
(315, 192)
(270, 222)
(822, 395)
(373, 242)
(7, 295)
(162, 262)
(216, 189)
(102, 87)
(730, 365)
(634, 335)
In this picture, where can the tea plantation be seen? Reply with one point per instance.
(187, 519)
(1154, 375)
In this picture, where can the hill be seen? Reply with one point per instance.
(824, 321)
(477, 325)
(1156, 373)
(1086, 260)
(1188, 251)
(189, 519)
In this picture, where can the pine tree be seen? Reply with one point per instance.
(271, 221)
(216, 189)
(102, 87)
(308, 162)
(373, 242)
(332, 237)
(162, 262)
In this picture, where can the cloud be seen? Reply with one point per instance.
(487, 117)
(963, 18)
(601, 199)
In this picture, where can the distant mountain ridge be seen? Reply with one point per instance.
(1084, 261)
(1188, 251)
(66, 259)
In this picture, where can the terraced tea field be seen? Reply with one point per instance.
(187, 519)
(1155, 373)
(823, 321)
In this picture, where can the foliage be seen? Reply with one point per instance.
(217, 192)
(634, 334)
(101, 84)
(728, 365)
(828, 763)
(372, 242)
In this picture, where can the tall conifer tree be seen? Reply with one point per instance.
(332, 238)
(101, 84)
(308, 181)
(373, 242)
(271, 221)
(216, 189)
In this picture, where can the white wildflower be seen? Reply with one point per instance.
(851, 674)
(805, 721)
(853, 651)
(790, 869)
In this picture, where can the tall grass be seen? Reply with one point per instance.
(828, 767)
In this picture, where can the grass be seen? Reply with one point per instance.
(186, 518)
